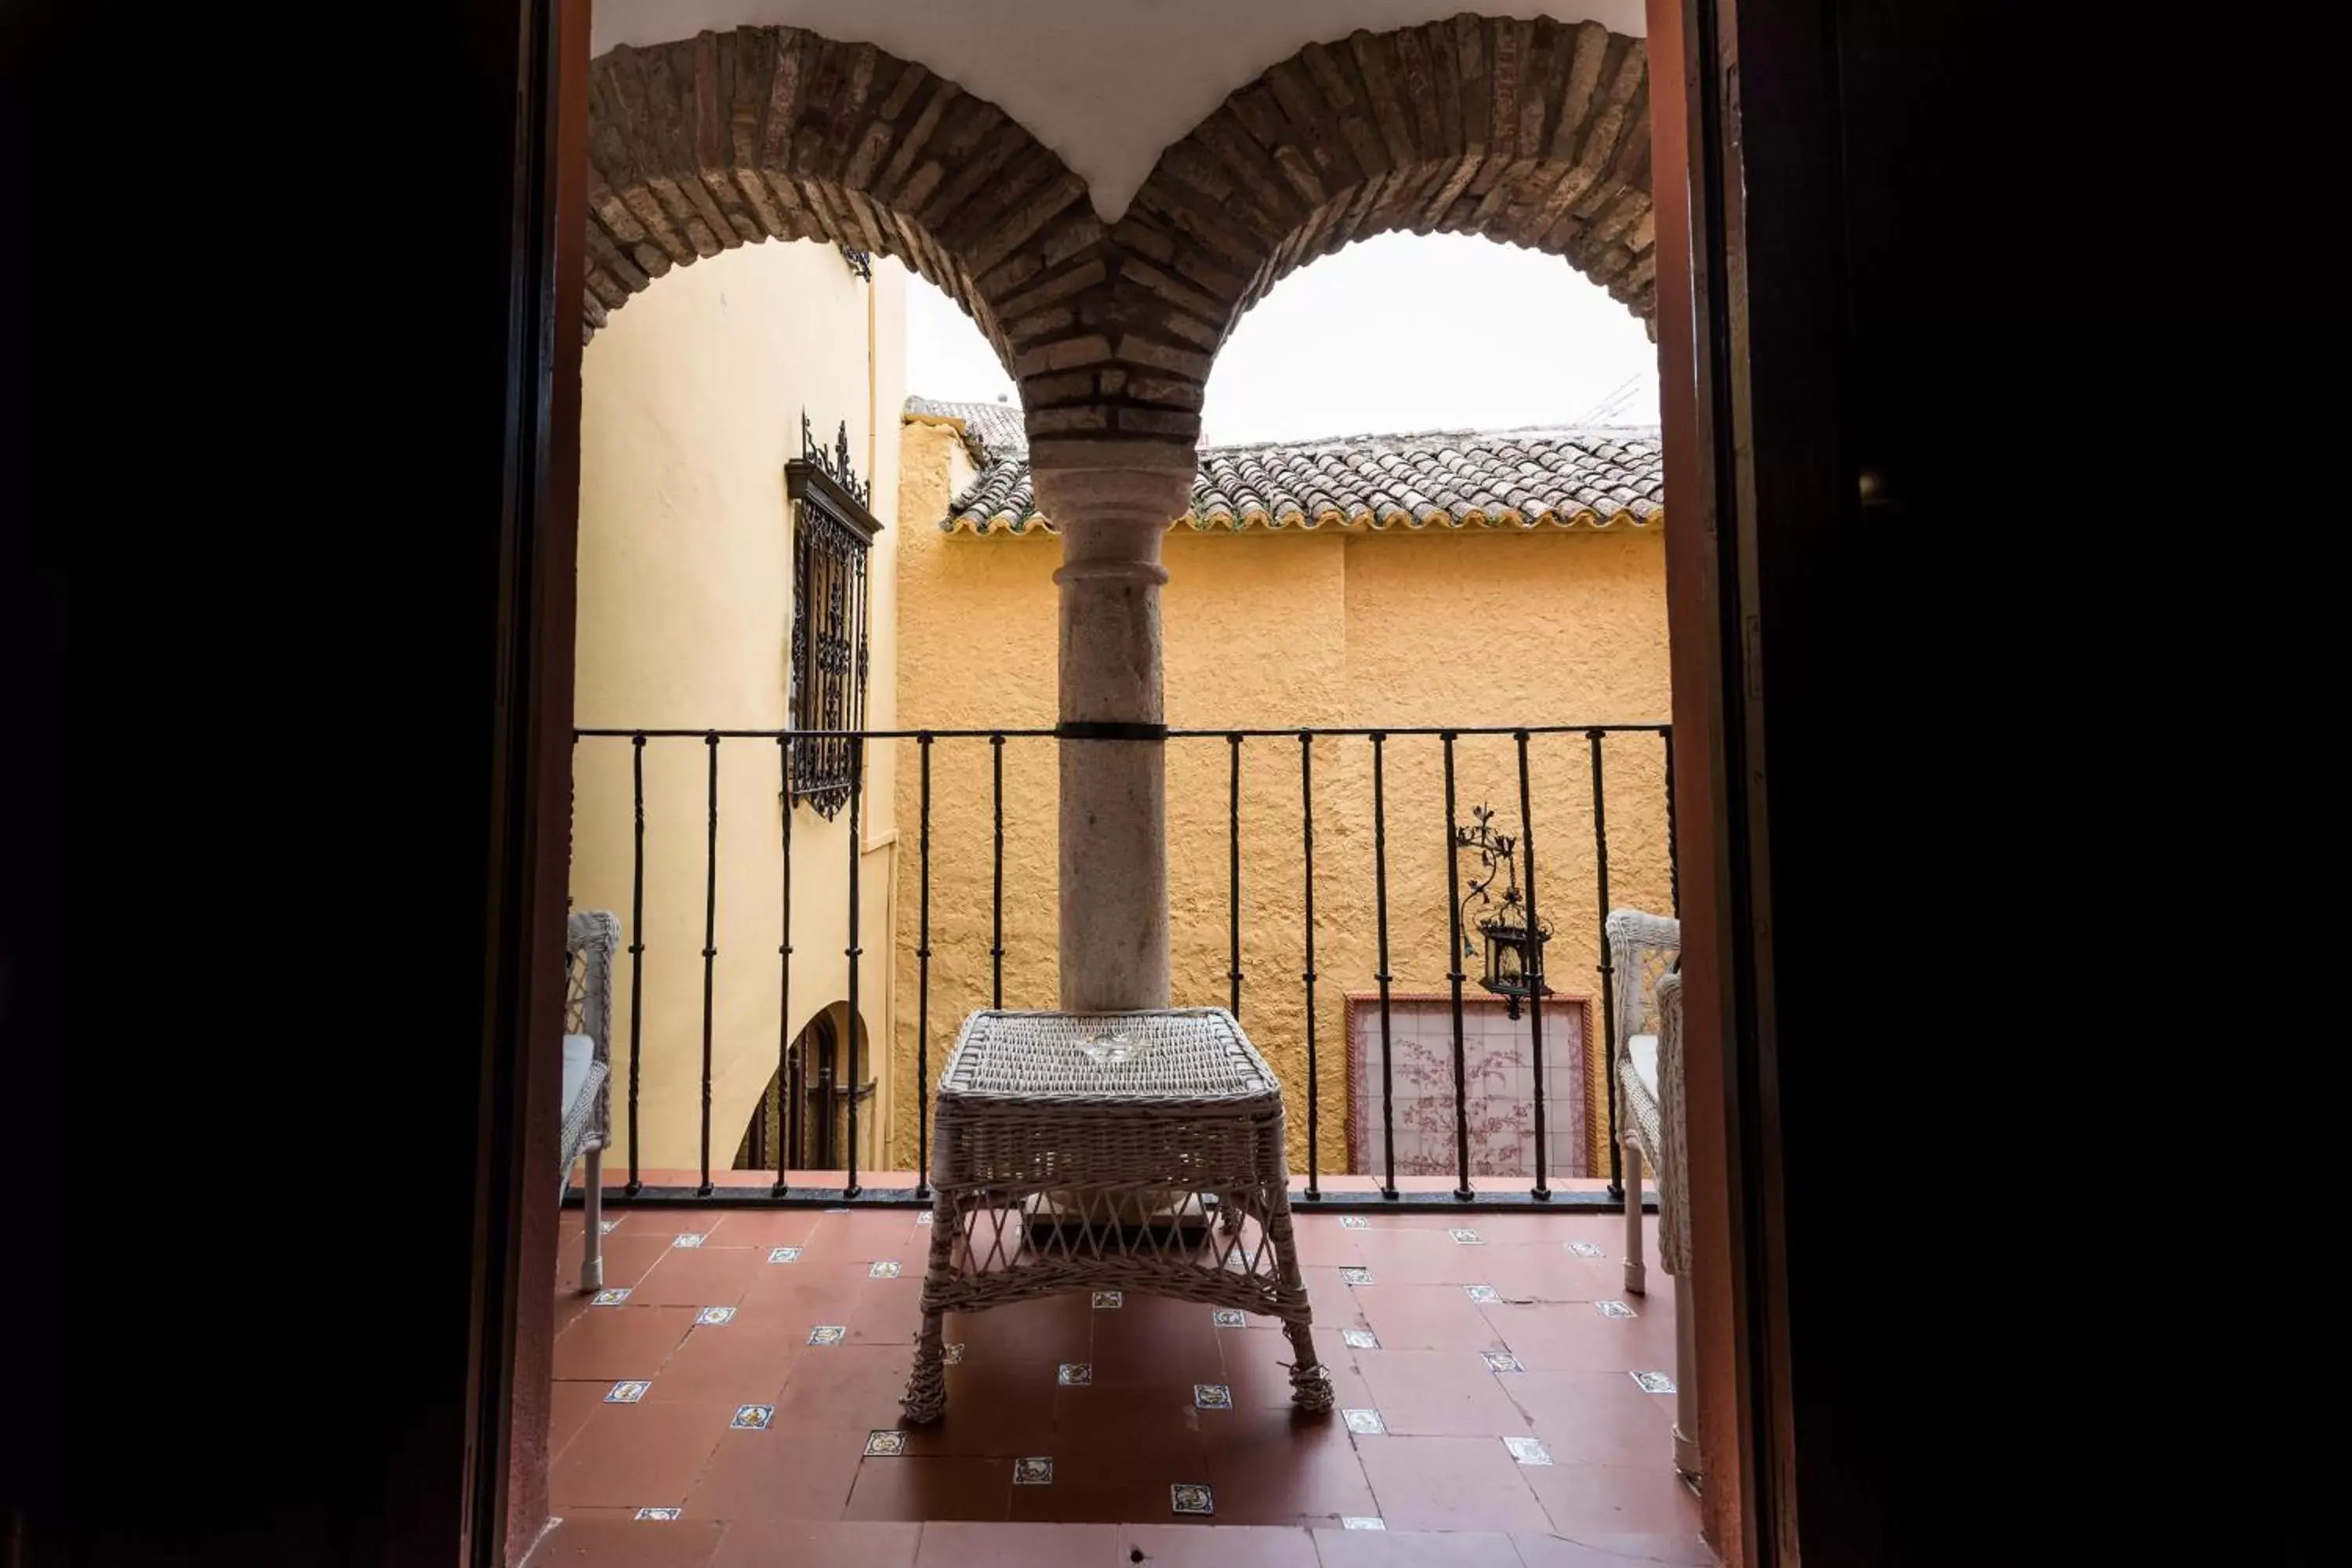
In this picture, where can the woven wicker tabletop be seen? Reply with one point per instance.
(1193, 1055)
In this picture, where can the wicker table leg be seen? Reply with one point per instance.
(1310, 1382)
(927, 1383)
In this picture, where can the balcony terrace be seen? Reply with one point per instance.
(1465, 1335)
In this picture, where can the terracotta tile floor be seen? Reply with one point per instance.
(1434, 1469)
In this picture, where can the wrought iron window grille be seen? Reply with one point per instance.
(833, 536)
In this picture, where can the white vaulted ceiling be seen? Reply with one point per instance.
(1106, 84)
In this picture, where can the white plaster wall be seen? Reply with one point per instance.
(690, 406)
(1106, 84)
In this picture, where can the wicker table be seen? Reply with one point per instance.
(1079, 1152)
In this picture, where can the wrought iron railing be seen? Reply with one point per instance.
(1341, 818)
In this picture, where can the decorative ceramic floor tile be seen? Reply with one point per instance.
(1585, 1249)
(1212, 1396)
(1360, 1339)
(611, 1298)
(660, 1512)
(1466, 1236)
(827, 1334)
(1191, 1497)
(783, 1255)
(627, 1393)
(1501, 1360)
(1229, 1318)
(1484, 1293)
(688, 1238)
(714, 1316)
(1614, 1308)
(1074, 1374)
(1034, 1472)
(886, 1445)
(1527, 1451)
(952, 1355)
(1356, 1275)
(1653, 1381)
(753, 1417)
(1354, 1222)
(1361, 1522)
(1366, 1422)
(1109, 1301)
(887, 1268)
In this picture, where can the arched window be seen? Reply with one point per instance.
(808, 1117)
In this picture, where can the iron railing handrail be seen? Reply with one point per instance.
(789, 1069)
(1187, 733)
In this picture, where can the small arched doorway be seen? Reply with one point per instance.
(803, 1113)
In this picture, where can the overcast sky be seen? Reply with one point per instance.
(1399, 333)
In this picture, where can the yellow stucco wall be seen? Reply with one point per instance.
(692, 401)
(1283, 630)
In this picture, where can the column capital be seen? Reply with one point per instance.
(1112, 501)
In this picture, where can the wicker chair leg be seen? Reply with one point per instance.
(1685, 1379)
(592, 1238)
(1310, 1381)
(1636, 1273)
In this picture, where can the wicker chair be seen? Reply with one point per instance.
(591, 938)
(1642, 953)
(1673, 1218)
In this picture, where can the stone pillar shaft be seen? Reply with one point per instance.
(1112, 502)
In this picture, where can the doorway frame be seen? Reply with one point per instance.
(1709, 396)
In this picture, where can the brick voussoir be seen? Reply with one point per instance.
(1528, 132)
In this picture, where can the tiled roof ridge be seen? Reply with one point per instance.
(1410, 437)
(991, 429)
(1591, 476)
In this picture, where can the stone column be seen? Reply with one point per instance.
(1112, 501)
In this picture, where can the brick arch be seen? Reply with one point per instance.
(1532, 132)
(726, 138)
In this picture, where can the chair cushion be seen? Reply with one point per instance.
(1643, 1050)
(584, 1077)
(579, 1056)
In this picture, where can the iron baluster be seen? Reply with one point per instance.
(1608, 971)
(1381, 908)
(996, 882)
(1534, 967)
(1307, 975)
(1234, 872)
(851, 952)
(787, 1112)
(796, 1136)
(1673, 850)
(828, 1139)
(923, 989)
(636, 944)
(709, 946)
(1453, 978)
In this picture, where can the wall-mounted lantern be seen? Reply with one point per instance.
(1514, 969)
